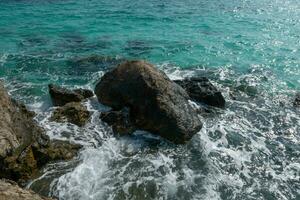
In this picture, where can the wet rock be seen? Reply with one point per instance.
(9, 190)
(297, 99)
(17, 132)
(55, 150)
(20, 137)
(73, 112)
(201, 90)
(61, 96)
(119, 120)
(86, 93)
(156, 103)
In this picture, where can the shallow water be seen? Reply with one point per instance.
(250, 51)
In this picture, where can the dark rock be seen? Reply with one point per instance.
(201, 90)
(55, 150)
(20, 139)
(10, 190)
(85, 93)
(297, 99)
(119, 120)
(61, 96)
(156, 104)
(92, 63)
(73, 112)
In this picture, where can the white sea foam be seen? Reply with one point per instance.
(230, 156)
(3, 59)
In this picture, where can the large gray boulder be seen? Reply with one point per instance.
(156, 103)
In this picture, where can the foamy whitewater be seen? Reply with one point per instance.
(250, 150)
(248, 49)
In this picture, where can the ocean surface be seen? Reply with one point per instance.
(249, 49)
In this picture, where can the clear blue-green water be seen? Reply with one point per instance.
(249, 49)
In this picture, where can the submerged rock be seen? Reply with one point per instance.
(201, 90)
(61, 96)
(138, 47)
(119, 120)
(9, 190)
(20, 139)
(156, 103)
(73, 112)
(92, 63)
(297, 99)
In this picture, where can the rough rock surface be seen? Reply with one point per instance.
(156, 103)
(21, 138)
(61, 96)
(119, 120)
(84, 92)
(201, 90)
(73, 112)
(9, 190)
(297, 99)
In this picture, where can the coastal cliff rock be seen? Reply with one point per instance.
(21, 139)
(61, 96)
(9, 190)
(156, 103)
(201, 90)
(73, 112)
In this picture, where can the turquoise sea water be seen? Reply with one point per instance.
(249, 49)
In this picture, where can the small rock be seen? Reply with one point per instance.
(297, 100)
(61, 96)
(73, 112)
(156, 103)
(201, 90)
(56, 150)
(119, 120)
(85, 93)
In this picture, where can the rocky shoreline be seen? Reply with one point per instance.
(141, 97)
(154, 102)
(25, 147)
